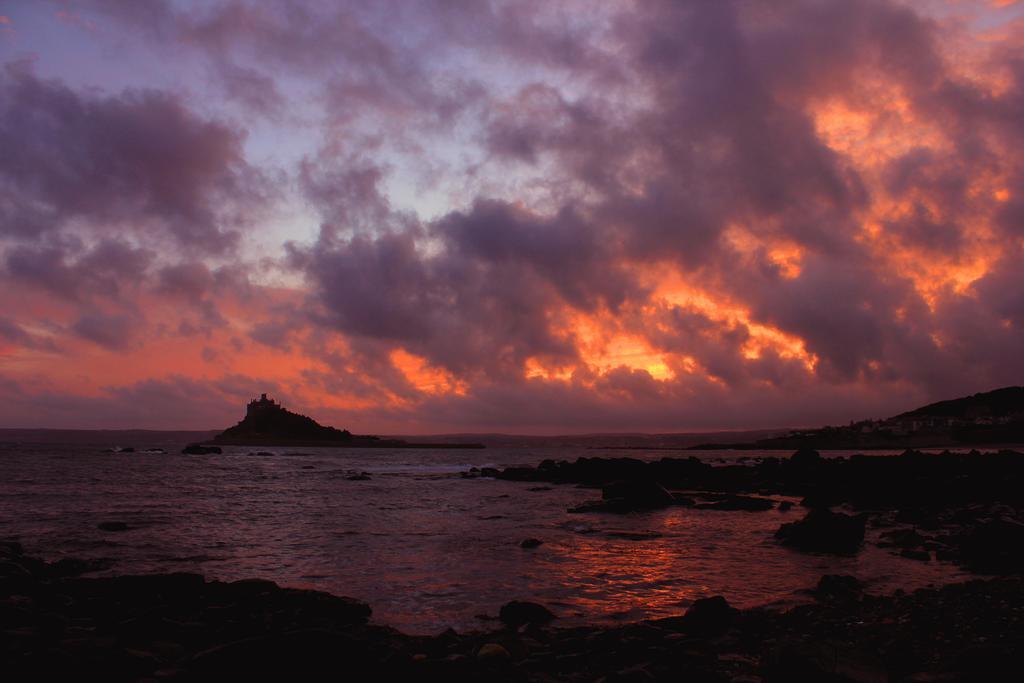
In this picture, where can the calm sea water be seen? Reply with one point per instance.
(425, 547)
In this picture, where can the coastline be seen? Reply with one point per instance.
(319, 443)
(181, 627)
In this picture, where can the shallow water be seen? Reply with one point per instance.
(426, 548)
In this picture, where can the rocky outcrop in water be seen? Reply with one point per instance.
(268, 423)
(910, 480)
(824, 531)
(959, 507)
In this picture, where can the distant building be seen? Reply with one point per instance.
(261, 405)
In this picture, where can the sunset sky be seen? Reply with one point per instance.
(428, 216)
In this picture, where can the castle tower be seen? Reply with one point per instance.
(260, 405)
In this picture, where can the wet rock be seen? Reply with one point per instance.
(314, 655)
(531, 543)
(167, 586)
(805, 457)
(113, 526)
(739, 503)
(838, 587)
(633, 674)
(902, 538)
(71, 566)
(709, 616)
(630, 496)
(639, 494)
(246, 589)
(914, 554)
(824, 531)
(994, 547)
(11, 549)
(823, 661)
(493, 652)
(518, 613)
(199, 449)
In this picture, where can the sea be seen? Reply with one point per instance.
(426, 547)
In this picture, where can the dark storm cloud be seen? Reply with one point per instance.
(476, 290)
(726, 140)
(689, 138)
(136, 162)
(109, 269)
(113, 332)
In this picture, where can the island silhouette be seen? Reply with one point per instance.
(268, 423)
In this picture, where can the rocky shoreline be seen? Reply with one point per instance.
(181, 627)
(964, 508)
(58, 623)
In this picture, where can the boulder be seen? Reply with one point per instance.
(709, 616)
(838, 587)
(994, 547)
(531, 543)
(805, 457)
(199, 449)
(824, 531)
(824, 661)
(493, 652)
(639, 494)
(518, 613)
(902, 538)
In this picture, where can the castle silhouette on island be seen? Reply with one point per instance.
(268, 423)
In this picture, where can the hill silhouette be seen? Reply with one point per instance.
(265, 418)
(1004, 402)
(991, 417)
(268, 423)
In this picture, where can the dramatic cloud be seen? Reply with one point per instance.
(140, 162)
(509, 215)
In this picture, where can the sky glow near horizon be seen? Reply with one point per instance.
(540, 217)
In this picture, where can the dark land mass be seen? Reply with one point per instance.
(58, 625)
(267, 423)
(993, 418)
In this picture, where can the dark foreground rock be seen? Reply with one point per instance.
(912, 480)
(824, 531)
(181, 627)
(631, 495)
(518, 613)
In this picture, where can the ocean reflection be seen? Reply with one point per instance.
(426, 548)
